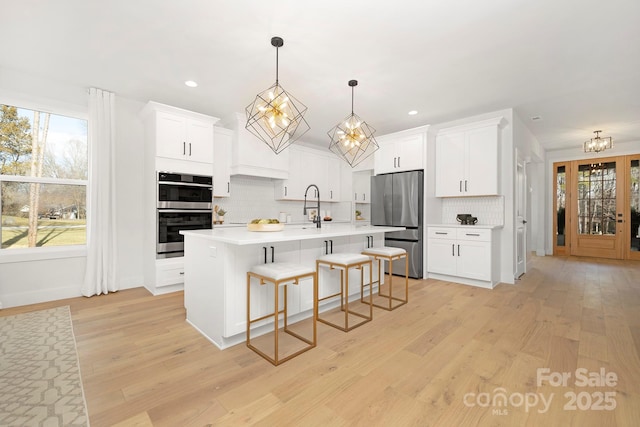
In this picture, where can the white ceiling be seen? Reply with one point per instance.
(574, 63)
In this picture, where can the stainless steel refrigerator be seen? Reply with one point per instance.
(397, 200)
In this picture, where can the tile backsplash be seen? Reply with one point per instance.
(488, 209)
(253, 197)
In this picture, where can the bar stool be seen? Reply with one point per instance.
(390, 254)
(281, 274)
(344, 262)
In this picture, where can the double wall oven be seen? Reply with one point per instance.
(184, 202)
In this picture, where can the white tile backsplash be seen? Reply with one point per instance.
(488, 209)
(253, 197)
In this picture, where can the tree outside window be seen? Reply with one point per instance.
(43, 178)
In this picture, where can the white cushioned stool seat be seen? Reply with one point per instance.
(385, 250)
(281, 270)
(344, 258)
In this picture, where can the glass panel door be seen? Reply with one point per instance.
(597, 207)
(633, 211)
(560, 220)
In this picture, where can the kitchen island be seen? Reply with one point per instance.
(216, 263)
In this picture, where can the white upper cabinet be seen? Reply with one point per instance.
(180, 140)
(309, 166)
(401, 151)
(362, 187)
(251, 156)
(467, 159)
(222, 139)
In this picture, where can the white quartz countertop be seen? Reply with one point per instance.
(242, 236)
(477, 226)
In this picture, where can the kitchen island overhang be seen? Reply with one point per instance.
(216, 262)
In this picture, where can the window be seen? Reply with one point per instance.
(597, 198)
(43, 179)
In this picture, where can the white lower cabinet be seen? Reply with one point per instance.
(462, 254)
(169, 271)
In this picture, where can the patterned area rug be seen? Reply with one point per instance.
(39, 373)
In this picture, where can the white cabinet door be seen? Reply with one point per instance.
(334, 181)
(182, 138)
(171, 136)
(410, 153)
(481, 162)
(401, 152)
(222, 162)
(385, 157)
(467, 160)
(474, 259)
(199, 137)
(442, 257)
(293, 187)
(450, 165)
(362, 187)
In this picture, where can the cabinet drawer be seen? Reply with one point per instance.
(481, 235)
(441, 233)
(169, 274)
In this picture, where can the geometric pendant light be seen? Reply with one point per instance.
(597, 144)
(275, 116)
(352, 139)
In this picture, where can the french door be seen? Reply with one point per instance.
(597, 207)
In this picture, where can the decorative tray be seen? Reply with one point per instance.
(265, 227)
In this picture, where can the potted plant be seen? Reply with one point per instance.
(219, 213)
(358, 215)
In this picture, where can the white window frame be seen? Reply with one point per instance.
(49, 252)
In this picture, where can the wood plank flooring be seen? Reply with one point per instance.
(449, 358)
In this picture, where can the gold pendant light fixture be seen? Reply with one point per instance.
(352, 139)
(275, 116)
(598, 144)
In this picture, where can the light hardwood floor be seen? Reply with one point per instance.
(436, 361)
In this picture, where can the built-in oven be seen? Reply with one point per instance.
(184, 202)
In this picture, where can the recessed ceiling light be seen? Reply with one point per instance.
(413, 112)
(191, 83)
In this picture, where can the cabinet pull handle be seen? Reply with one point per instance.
(398, 161)
(189, 149)
(461, 186)
(465, 185)
(184, 148)
(273, 251)
(228, 187)
(364, 197)
(326, 247)
(441, 232)
(182, 273)
(331, 245)
(355, 196)
(473, 234)
(458, 250)
(394, 162)
(264, 248)
(453, 250)
(285, 191)
(331, 194)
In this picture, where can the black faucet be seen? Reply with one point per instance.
(317, 220)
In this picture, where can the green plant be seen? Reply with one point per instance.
(358, 213)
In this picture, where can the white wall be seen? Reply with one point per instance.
(45, 280)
